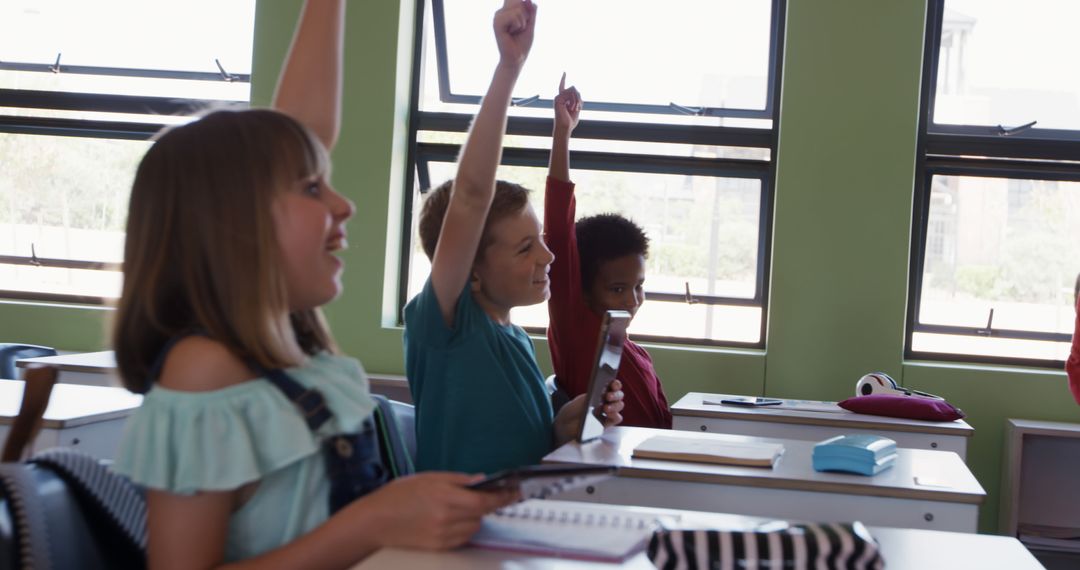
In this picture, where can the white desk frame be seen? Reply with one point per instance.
(787, 421)
(88, 368)
(99, 369)
(88, 418)
(790, 490)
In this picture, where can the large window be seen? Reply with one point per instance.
(83, 87)
(996, 236)
(678, 133)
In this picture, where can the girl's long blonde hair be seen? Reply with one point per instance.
(201, 251)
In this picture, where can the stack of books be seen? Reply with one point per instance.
(863, 454)
(709, 450)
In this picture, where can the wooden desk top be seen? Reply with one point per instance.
(902, 549)
(951, 480)
(70, 404)
(102, 362)
(810, 412)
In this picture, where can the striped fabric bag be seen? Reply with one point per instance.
(784, 546)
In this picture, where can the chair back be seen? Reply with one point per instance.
(559, 397)
(397, 431)
(405, 415)
(37, 389)
(10, 352)
(68, 510)
(63, 508)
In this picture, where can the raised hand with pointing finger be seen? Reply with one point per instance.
(567, 108)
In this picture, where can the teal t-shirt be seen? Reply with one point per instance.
(481, 405)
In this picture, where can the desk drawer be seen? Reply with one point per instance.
(99, 439)
(911, 440)
(781, 503)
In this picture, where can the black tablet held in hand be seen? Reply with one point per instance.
(605, 366)
(541, 481)
(751, 401)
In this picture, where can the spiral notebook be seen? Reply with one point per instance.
(568, 530)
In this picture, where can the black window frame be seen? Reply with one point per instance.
(421, 154)
(672, 108)
(1024, 153)
(94, 129)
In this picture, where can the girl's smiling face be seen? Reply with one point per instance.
(309, 220)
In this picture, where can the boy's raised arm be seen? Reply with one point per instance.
(309, 88)
(474, 185)
(567, 109)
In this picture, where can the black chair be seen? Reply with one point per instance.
(559, 397)
(10, 352)
(397, 429)
(405, 416)
(64, 509)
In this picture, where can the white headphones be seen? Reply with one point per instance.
(881, 383)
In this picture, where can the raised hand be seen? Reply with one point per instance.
(567, 108)
(514, 25)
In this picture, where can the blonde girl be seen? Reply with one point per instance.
(232, 236)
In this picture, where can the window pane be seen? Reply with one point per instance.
(703, 232)
(673, 320)
(59, 281)
(65, 198)
(1010, 245)
(1004, 62)
(715, 54)
(995, 347)
(128, 34)
(142, 34)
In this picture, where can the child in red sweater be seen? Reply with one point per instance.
(599, 266)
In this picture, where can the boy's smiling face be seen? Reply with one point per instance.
(618, 285)
(512, 271)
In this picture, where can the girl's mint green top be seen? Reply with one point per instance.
(186, 442)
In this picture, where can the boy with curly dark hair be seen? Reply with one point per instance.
(599, 266)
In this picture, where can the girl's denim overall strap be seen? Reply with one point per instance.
(310, 402)
(353, 461)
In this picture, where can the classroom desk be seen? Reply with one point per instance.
(89, 418)
(902, 549)
(924, 489)
(99, 369)
(803, 419)
(89, 368)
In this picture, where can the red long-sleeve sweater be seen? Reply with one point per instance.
(574, 328)
(1072, 366)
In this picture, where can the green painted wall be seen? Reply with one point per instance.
(849, 115)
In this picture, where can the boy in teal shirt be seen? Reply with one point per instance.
(481, 405)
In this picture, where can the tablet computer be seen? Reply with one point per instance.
(540, 481)
(609, 347)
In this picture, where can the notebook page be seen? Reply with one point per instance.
(584, 531)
